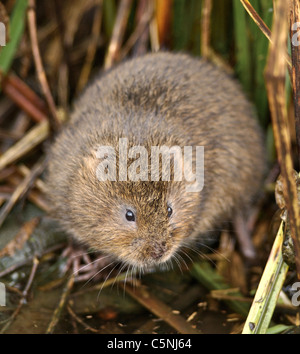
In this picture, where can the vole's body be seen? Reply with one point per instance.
(159, 99)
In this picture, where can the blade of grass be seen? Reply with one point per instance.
(179, 28)
(256, 18)
(270, 285)
(186, 18)
(209, 278)
(109, 16)
(263, 27)
(259, 55)
(17, 23)
(278, 329)
(243, 54)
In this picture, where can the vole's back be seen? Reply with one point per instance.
(167, 99)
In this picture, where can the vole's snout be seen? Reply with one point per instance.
(158, 250)
(150, 252)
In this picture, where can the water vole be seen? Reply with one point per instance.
(157, 100)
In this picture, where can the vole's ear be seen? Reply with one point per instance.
(89, 165)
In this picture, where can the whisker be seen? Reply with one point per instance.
(124, 289)
(163, 267)
(178, 263)
(171, 264)
(202, 255)
(119, 272)
(179, 256)
(101, 270)
(209, 248)
(86, 265)
(106, 280)
(186, 254)
(134, 280)
(140, 272)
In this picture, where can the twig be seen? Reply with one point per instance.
(13, 268)
(118, 33)
(36, 197)
(141, 44)
(33, 138)
(65, 64)
(91, 51)
(53, 120)
(26, 261)
(24, 103)
(24, 295)
(275, 80)
(40, 184)
(25, 98)
(138, 32)
(79, 320)
(57, 313)
(21, 189)
(20, 238)
(5, 173)
(205, 28)
(191, 296)
(160, 309)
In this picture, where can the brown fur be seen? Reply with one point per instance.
(158, 99)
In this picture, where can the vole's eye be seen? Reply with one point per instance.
(170, 211)
(130, 215)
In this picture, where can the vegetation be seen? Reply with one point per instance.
(53, 49)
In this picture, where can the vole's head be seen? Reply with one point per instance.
(142, 223)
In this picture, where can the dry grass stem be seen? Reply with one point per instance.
(160, 309)
(294, 14)
(118, 33)
(262, 26)
(205, 28)
(21, 189)
(91, 51)
(54, 122)
(275, 80)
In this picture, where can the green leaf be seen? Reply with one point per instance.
(17, 23)
(243, 53)
(209, 278)
(270, 285)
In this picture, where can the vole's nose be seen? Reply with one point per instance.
(158, 250)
